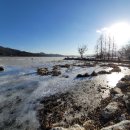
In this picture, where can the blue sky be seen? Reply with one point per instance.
(57, 26)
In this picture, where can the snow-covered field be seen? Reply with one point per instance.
(21, 88)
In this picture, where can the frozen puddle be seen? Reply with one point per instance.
(21, 90)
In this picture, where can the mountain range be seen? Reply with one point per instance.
(5, 51)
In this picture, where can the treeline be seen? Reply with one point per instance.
(124, 52)
(13, 52)
(106, 47)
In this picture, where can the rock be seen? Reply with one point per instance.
(110, 110)
(124, 79)
(89, 125)
(116, 90)
(118, 97)
(104, 72)
(116, 69)
(86, 75)
(65, 76)
(127, 77)
(112, 65)
(1, 68)
(18, 99)
(123, 125)
(65, 66)
(122, 117)
(42, 71)
(82, 76)
(79, 76)
(94, 73)
(103, 87)
(74, 127)
(124, 86)
(99, 90)
(56, 73)
(121, 84)
(56, 67)
(126, 99)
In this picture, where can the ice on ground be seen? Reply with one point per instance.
(21, 90)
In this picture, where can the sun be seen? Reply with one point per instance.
(121, 32)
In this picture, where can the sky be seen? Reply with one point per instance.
(58, 26)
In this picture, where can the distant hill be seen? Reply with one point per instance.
(4, 51)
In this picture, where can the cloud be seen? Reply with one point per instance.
(103, 30)
(98, 31)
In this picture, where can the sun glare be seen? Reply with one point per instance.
(119, 31)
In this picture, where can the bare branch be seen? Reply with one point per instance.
(82, 50)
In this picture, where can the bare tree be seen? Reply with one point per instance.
(121, 53)
(113, 47)
(106, 47)
(82, 49)
(115, 50)
(97, 50)
(109, 47)
(101, 38)
(100, 44)
(126, 51)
